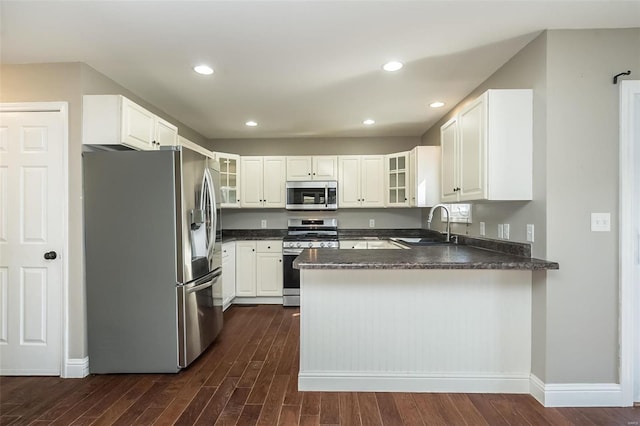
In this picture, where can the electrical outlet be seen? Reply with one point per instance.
(483, 230)
(263, 223)
(500, 231)
(372, 223)
(600, 222)
(505, 231)
(530, 232)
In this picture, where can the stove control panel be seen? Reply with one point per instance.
(311, 244)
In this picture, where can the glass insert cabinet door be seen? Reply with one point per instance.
(229, 175)
(398, 179)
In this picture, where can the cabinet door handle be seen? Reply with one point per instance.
(268, 247)
(280, 260)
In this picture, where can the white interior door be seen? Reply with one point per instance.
(31, 225)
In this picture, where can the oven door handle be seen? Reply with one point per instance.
(291, 252)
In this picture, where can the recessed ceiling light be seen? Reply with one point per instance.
(203, 69)
(368, 122)
(392, 66)
(437, 104)
(251, 123)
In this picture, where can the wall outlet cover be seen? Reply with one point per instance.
(500, 230)
(263, 223)
(372, 223)
(600, 222)
(505, 231)
(530, 232)
(483, 229)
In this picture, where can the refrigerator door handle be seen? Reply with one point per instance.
(201, 286)
(212, 207)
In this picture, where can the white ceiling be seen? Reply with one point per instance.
(299, 68)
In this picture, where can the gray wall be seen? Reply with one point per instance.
(68, 82)
(575, 309)
(401, 218)
(582, 177)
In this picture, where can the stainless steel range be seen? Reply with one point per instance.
(303, 234)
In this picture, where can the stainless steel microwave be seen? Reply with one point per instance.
(312, 195)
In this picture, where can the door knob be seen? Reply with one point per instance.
(50, 255)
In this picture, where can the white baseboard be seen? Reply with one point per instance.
(261, 300)
(349, 382)
(576, 394)
(76, 368)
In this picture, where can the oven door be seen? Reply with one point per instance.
(291, 276)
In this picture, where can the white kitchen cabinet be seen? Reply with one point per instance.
(262, 182)
(424, 176)
(229, 178)
(487, 149)
(228, 273)
(397, 184)
(361, 181)
(245, 268)
(269, 268)
(320, 167)
(116, 120)
(259, 268)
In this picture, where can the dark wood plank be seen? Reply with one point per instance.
(369, 412)
(273, 401)
(575, 416)
(311, 404)
(310, 420)
(249, 415)
(488, 412)
(388, 410)
(193, 410)
(408, 409)
(218, 401)
(261, 387)
(431, 409)
(507, 409)
(250, 374)
(234, 407)
(349, 409)
(110, 415)
(329, 408)
(468, 411)
(289, 415)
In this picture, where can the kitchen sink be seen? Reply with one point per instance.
(420, 241)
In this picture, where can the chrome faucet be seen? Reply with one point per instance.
(448, 219)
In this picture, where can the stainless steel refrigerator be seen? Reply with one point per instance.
(152, 258)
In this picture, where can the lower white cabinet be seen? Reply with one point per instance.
(228, 273)
(259, 268)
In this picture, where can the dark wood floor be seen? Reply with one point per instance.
(248, 376)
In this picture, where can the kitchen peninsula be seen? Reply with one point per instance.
(440, 318)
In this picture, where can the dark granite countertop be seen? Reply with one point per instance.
(229, 235)
(448, 256)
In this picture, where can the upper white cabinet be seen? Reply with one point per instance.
(398, 180)
(116, 120)
(487, 148)
(424, 176)
(229, 177)
(361, 181)
(262, 182)
(321, 167)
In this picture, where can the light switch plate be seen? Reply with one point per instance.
(483, 230)
(501, 231)
(600, 222)
(505, 231)
(530, 232)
